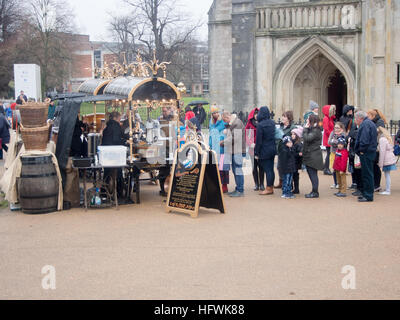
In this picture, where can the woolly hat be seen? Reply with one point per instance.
(341, 141)
(214, 108)
(298, 132)
(286, 139)
(313, 105)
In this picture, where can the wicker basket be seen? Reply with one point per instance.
(34, 115)
(35, 138)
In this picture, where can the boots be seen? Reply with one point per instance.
(296, 184)
(256, 181)
(279, 186)
(267, 192)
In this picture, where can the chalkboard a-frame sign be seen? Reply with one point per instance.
(195, 181)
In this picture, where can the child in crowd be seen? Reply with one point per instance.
(288, 167)
(387, 159)
(339, 131)
(340, 166)
(297, 135)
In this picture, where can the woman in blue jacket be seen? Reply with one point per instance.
(217, 127)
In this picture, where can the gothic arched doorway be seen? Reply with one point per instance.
(320, 81)
(304, 74)
(337, 92)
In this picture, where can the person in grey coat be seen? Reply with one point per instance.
(235, 146)
(312, 153)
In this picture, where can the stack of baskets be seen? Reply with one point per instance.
(34, 127)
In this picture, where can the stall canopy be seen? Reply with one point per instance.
(142, 89)
(93, 86)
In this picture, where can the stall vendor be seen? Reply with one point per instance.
(113, 134)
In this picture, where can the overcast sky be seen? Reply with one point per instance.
(92, 15)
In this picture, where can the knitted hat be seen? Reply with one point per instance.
(313, 105)
(214, 108)
(286, 139)
(299, 132)
(341, 141)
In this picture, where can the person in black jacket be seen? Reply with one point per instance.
(288, 167)
(265, 149)
(200, 114)
(4, 132)
(366, 146)
(113, 134)
(351, 130)
(297, 135)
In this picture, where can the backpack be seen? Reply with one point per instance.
(396, 150)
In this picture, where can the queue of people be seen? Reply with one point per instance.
(356, 143)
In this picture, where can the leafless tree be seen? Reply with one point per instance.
(157, 24)
(46, 40)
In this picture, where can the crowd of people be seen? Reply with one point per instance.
(356, 143)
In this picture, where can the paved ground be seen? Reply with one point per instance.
(263, 248)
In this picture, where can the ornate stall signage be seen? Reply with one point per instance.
(195, 181)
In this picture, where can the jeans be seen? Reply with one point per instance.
(268, 166)
(287, 184)
(313, 175)
(367, 174)
(237, 168)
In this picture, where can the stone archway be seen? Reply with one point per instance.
(313, 60)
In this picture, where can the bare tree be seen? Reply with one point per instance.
(159, 25)
(10, 14)
(46, 40)
(124, 31)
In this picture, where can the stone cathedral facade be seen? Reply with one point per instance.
(284, 53)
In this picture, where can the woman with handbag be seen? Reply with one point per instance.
(217, 127)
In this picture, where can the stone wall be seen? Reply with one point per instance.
(220, 53)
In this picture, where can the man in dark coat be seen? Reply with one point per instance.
(22, 98)
(200, 114)
(265, 149)
(365, 146)
(113, 134)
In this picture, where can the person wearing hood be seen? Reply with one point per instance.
(287, 125)
(217, 127)
(265, 148)
(200, 114)
(251, 133)
(329, 112)
(235, 147)
(314, 109)
(379, 120)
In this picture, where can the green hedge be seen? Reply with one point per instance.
(88, 108)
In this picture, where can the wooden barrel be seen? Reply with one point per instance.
(38, 185)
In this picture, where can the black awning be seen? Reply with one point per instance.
(102, 97)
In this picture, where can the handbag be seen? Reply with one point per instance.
(357, 162)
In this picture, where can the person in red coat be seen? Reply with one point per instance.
(329, 112)
(340, 166)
